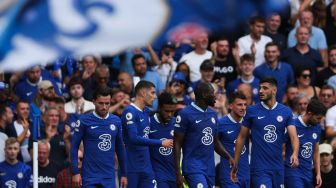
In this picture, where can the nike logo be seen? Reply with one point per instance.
(93, 127)
(30, 93)
(153, 131)
(300, 135)
(229, 132)
(197, 121)
(260, 117)
(141, 120)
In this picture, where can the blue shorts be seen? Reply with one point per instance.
(200, 181)
(298, 182)
(243, 183)
(141, 180)
(102, 183)
(166, 184)
(267, 179)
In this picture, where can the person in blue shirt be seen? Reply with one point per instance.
(309, 131)
(14, 173)
(101, 134)
(136, 125)
(267, 122)
(195, 133)
(228, 130)
(162, 127)
(282, 72)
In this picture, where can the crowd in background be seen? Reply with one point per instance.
(300, 52)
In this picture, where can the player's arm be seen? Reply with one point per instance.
(219, 148)
(134, 138)
(243, 134)
(295, 145)
(316, 159)
(178, 142)
(121, 154)
(75, 142)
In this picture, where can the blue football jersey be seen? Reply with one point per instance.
(267, 134)
(162, 157)
(309, 136)
(101, 139)
(18, 175)
(228, 131)
(136, 130)
(199, 128)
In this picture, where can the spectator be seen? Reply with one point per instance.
(330, 28)
(225, 66)
(6, 118)
(296, 7)
(254, 43)
(14, 173)
(317, 39)
(178, 88)
(77, 104)
(27, 88)
(195, 58)
(207, 73)
(327, 96)
(282, 72)
(89, 65)
(302, 55)
(246, 89)
(300, 103)
(247, 67)
(303, 80)
(185, 69)
(45, 94)
(64, 177)
(326, 73)
(292, 92)
(331, 122)
(273, 23)
(119, 101)
(20, 129)
(328, 170)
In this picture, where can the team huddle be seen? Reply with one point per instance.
(164, 151)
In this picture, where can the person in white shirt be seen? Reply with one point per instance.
(195, 58)
(255, 42)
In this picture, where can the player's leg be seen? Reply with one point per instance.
(108, 183)
(244, 183)
(294, 182)
(132, 180)
(163, 184)
(308, 183)
(147, 180)
(197, 181)
(261, 180)
(228, 184)
(278, 179)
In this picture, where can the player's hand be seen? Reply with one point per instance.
(294, 161)
(233, 173)
(77, 180)
(123, 182)
(168, 143)
(318, 181)
(180, 180)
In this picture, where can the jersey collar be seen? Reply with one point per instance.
(265, 106)
(233, 120)
(302, 122)
(95, 114)
(197, 107)
(32, 84)
(135, 106)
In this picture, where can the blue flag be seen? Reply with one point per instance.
(40, 31)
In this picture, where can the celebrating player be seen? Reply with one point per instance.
(101, 134)
(196, 133)
(267, 121)
(135, 120)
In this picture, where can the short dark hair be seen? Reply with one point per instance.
(22, 101)
(143, 84)
(75, 80)
(316, 107)
(270, 80)
(201, 88)
(3, 108)
(135, 57)
(247, 57)
(326, 87)
(101, 91)
(331, 48)
(272, 43)
(166, 98)
(236, 95)
(255, 19)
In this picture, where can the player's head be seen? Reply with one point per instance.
(205, 93)
(145, 91)
(12, 148)
(167, 106)
(43, 152)
(315, 111)
(237, 104)
(102, 101)
(267, 88)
